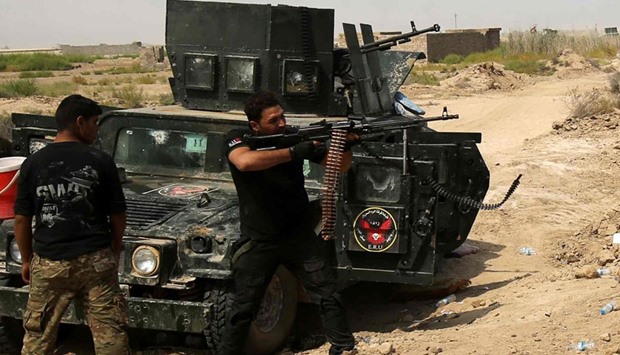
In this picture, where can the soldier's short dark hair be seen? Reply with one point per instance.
(73, 106)
(255, 105)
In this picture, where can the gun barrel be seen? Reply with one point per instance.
(391, 41)
(440, 118)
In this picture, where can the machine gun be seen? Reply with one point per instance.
(373, 93)
(336, 131)
(322, 130)
(389, 42)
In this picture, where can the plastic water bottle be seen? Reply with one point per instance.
(603, 271)
(445, 301)
(527, 251)
(582, 345)
(608, 307)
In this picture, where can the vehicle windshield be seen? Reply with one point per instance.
(158, 151)
(153, 149)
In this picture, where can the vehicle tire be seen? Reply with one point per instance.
(274, 319)
(11, 331)
(218, 294)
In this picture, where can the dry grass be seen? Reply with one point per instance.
(589, 44)
(58, 89)
(589, 103)
(596, 101)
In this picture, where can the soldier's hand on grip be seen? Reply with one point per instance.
(303, 150)
(352, 140)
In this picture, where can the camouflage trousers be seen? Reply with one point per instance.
(92, 280)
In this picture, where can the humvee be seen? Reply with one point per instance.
(411, 195)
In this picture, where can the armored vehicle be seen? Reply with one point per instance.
(411, 195)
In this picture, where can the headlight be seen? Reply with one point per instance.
(145, 260)
(14, 251)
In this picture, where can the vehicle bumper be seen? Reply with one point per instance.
(144, 313)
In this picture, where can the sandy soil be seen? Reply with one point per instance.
(567, 208)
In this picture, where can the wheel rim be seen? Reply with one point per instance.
(271, 306)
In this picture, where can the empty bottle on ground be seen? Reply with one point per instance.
(608, 307)
(445, 301)
(582, 345)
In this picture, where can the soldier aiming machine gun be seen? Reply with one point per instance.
(369, 131)
(336, 131)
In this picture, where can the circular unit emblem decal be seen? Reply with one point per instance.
(375, 230)
(182, 191)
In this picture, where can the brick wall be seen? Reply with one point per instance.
(439, 45)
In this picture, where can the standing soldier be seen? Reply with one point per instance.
(73, 191)
(276, 227)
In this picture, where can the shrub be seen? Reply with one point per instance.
(134, 69)
(452, 59)
(35, 74)
(81, 58)
(104, 82)
(166, 99)
(588, 103)
(130, 96)
(41, 61)
(528, 67)
(422, 78)
(61, 88)
(18, 88)
(80, 80)
(496, 55)
(146, 80)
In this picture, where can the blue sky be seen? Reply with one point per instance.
(38, 23)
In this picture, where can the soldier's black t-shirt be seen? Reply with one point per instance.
(70, 189)
(270, 200)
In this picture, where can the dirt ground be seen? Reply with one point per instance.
(566, 209)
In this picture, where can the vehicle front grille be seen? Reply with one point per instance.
(143, 213)
(121, 262)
